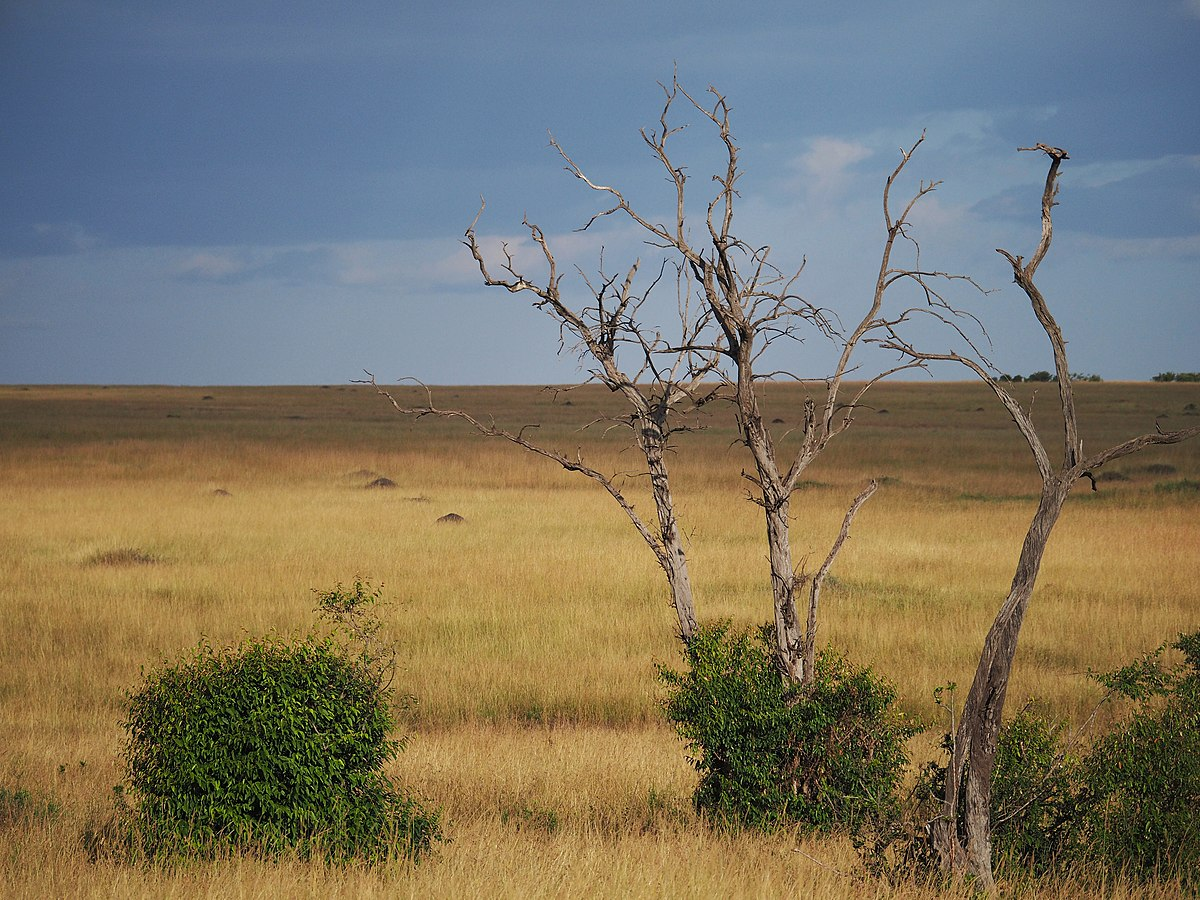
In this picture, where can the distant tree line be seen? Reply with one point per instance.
(1050, 376)
(1043, 375)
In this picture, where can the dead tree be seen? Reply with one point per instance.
(661, 388)
(962, 831)
(752, 306)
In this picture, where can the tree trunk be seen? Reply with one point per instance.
(774, 498)
(973, 758)
(789, 637)
(671, 554)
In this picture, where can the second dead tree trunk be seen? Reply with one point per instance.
(962, 832)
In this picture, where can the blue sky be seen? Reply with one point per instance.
(274, 193)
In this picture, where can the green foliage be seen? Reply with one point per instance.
(1139, 680)
(1043, 375)
(1141, 783)
(270, 746)
(1034, 787)
(1177, 376)
(825, 756)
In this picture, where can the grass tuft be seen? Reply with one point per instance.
(1182, 486)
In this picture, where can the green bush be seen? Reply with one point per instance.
(1034, 792)
(276, 745)
(827, 756)
(1141, 783)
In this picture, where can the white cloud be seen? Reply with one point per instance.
(208, 264)
(405, 266)
(441, 262)
(825, 167)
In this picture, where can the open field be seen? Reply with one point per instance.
(529, 632)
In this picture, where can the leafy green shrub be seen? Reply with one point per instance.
(270, 746)
(1141, 783)
(826, 756)
(1034, 792)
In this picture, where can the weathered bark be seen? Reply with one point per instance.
(974, 755)
(669, 548)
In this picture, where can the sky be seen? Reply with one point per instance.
(275, 193)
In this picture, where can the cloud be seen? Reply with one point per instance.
(824, 168)
(403, 265)
(1157, 248)
(1123, 199)
(289, 265)
(436, 262)
(47, 239)
(210, 266)
(1102, 174)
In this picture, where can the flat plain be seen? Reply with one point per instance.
(136, 520)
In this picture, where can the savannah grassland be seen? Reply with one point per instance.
(529, 632)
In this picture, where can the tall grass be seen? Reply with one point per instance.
(528, 631)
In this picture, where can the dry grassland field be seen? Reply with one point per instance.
(134, 520)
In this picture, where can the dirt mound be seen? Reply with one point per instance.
(451, 519)
(221, 492)
(382, 482)
(122, 556)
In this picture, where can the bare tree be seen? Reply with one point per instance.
(753, 306)
(660, 389)
(734, 305)
(962, 831)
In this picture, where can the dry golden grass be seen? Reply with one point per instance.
(529, 631)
